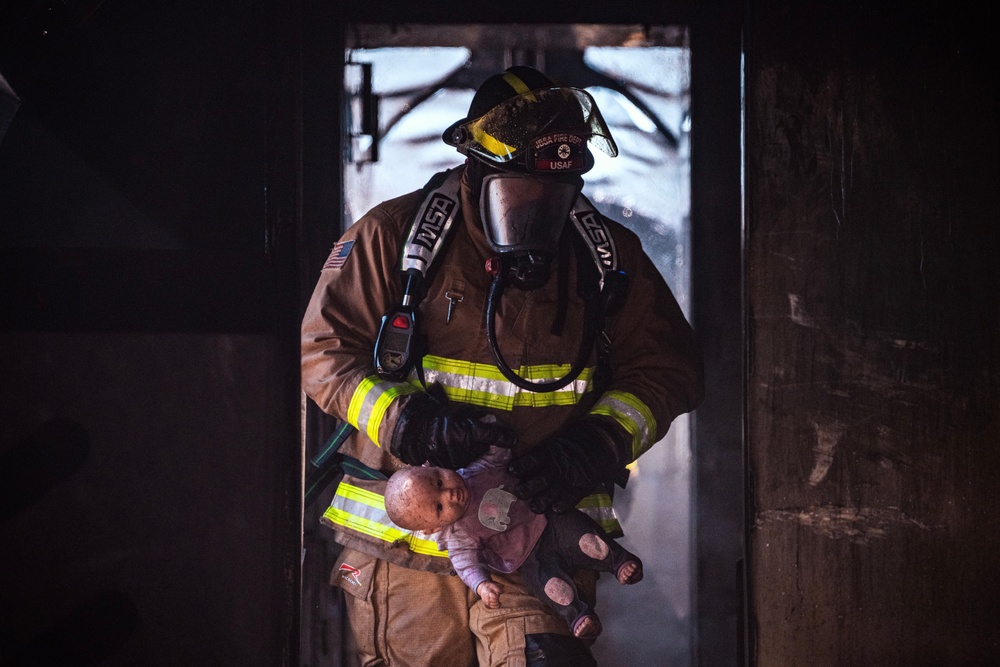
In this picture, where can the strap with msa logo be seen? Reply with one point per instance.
(432, 223)
(590, 225)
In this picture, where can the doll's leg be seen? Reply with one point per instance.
(544, 575)
(582, 543)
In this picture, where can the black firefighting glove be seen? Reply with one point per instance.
(565, 468)
(432, 429)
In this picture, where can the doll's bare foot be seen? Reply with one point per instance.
(587, 628)
(630, 572)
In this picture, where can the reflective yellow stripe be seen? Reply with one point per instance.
(595, 500)
(371, 399)
(484, 385)
(362, 496)
(466, 382)
(598, 507)
(634, 416)
(364, 511)
(354, 409)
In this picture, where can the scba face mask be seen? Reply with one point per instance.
(524, 206)
(523, 216)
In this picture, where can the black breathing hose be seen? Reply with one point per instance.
(589, 336)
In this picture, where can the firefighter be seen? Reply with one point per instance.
(493, 307)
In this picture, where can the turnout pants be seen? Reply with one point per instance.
(409, 618)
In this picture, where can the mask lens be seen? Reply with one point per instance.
(522, 213)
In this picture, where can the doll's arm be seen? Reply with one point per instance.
(467, 560)
(490, 591)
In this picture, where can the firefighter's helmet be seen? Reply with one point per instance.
(521, 120)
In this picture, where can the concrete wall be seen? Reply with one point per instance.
(141, 517)
(872, 404)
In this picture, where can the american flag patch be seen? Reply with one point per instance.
(338, 255)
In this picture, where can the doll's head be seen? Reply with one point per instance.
(425, 498)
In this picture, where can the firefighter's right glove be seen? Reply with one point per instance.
(565, 468)
(432, 429)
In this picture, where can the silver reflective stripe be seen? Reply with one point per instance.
(363, 511)
(598, 507)
(371, 399)
(365, 410)
(357, 509)
(634, 416)
(600, 514)
(485, 385)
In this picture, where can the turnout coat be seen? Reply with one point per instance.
(656, 371)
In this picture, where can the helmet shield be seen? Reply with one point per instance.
(507, 131)
(524, 213)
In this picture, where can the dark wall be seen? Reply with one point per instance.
(872, 389)
(149, 455)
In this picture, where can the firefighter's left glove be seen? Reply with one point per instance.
(562, 470)
(432, 429)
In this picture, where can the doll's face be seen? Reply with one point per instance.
(433, 498)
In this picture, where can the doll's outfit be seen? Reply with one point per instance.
(499, 532)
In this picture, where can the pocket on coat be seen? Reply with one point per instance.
(353, 573)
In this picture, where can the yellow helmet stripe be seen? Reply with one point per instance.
(487, 140)
(515, 82)
(491, 143)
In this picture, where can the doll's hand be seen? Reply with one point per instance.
(489, 591)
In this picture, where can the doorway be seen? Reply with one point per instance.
(405, 84)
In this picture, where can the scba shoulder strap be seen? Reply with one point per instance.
(398, 345)
(590, 224)
(432, 223)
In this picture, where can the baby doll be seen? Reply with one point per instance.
(483, 526)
